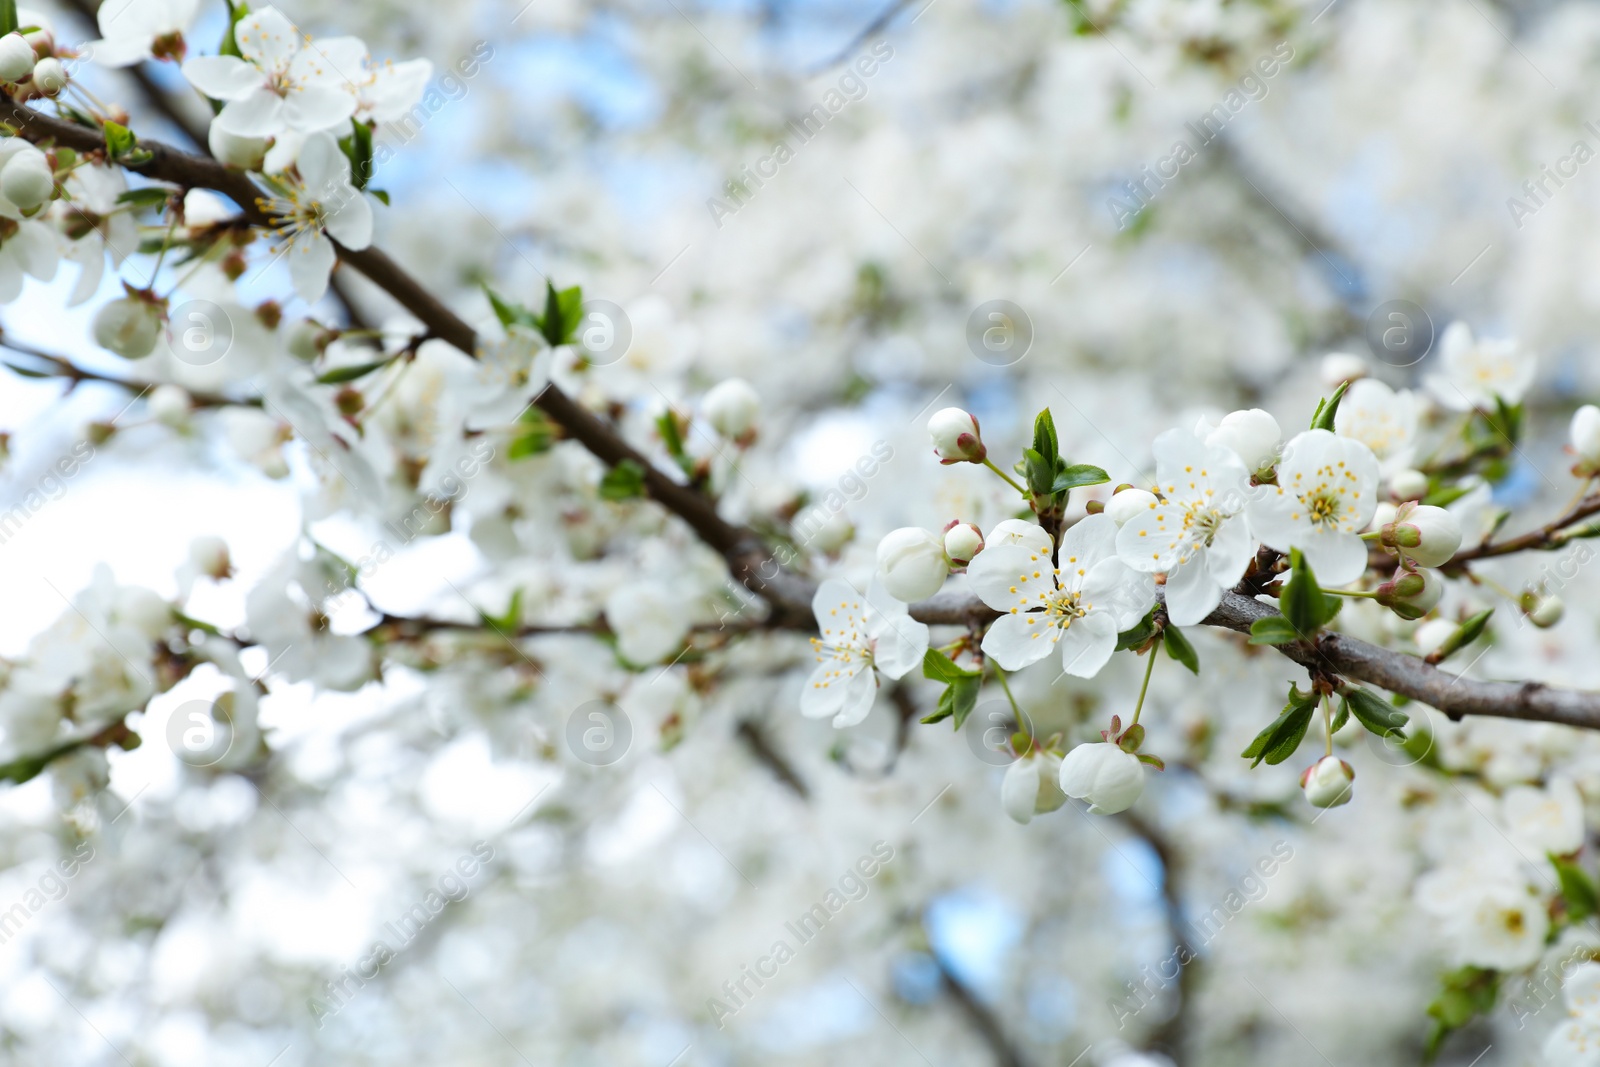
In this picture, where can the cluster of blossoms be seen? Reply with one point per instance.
(1229, 500)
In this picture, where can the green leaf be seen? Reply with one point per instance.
(381, 194)
(1155, 761)
(119, 139)
(8, 16)
(957, 700)
(1132, 738)
(350, 374)
(1304, 603)
(534, 433)
(1445, 495)
(1273, 630)
(508, 622)
(1465, 634)
(1179, 648)
(1583, 898)
(508, 313)
(357, 147)
(26, 373)
(941, 668)
(1327, 409)
(563, 310)
(1078, 474)
(230, 44)
(623, 482)
(1376, 714)
(147, 197)
(1279, 740)
(1040, 472)
(1468, 992)
(1045, 441)
(963, 695)
(1139, 633)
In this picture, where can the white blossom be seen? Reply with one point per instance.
(1382, 419)
(321, 204)
(1079, 602)
(136, 30)
(1473, 372)
(1197, 534)
(283, 82)
(1548, 820)
(1326, 494)
(862, 637)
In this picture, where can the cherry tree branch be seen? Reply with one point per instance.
(1551, 535)
(748, 559)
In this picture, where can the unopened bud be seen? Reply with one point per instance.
(732, 408)
(1326, 783)
(1128, 503)
(1544, 610)
(956, 438)
(16, 58)
(128, 326)
(1412, 594)
(1427, 535)
(49, 76)
(1408, 485)
(962, 541)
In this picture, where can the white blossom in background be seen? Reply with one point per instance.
(862, 637)
(132, 31)
(1473, 372)
(1197, 533)
(1383, 419)
(1078, 603)
(1544, 821)
(1487, 915)
(1576, 1041)
(1326, 495)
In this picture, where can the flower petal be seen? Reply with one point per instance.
(1335, 558)
(350, 221)
(311, 259)
(1086, 545)
(1014, 644)
(1002, 575)
(1192, 593)
(257, 114)
(1121, 591)
(318, 107)
(840, 612)
(1088, 644)
(221, 77)
(267, 39)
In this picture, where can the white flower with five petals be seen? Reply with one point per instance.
(284, 80)
(1079, 602)
(1196, 533)
(1382, 419)
(323, 203)
(861, 638)
(1474, 372)
(1326, 494)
